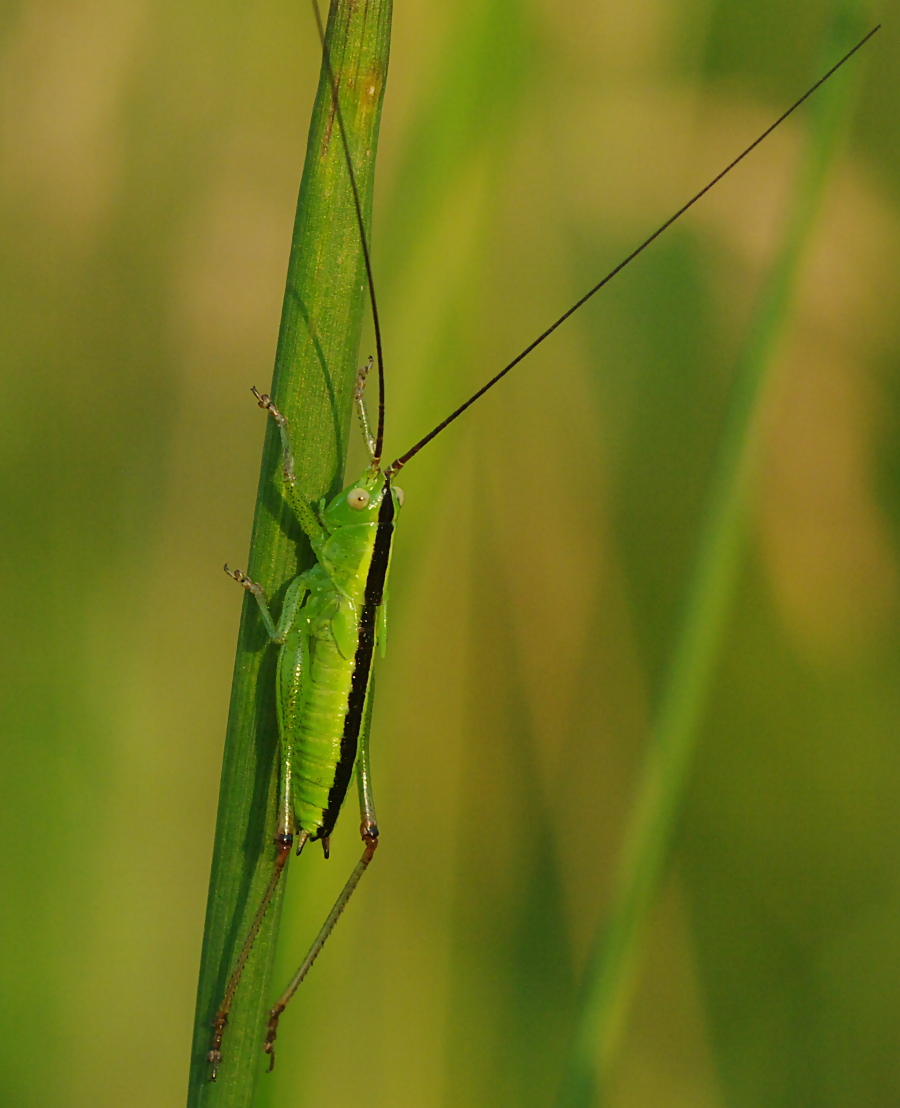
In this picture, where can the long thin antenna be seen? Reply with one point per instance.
(404, 458)
(326, 59)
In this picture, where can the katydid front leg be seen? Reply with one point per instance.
(362, 414)
(306, 517)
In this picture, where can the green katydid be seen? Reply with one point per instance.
(333, 618)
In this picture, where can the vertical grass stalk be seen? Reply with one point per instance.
(315, 372)
(649, 835)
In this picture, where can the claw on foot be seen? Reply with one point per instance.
(361, 376)
(243, 580)
(265, 401)
(214, 1058)
(271, 1035)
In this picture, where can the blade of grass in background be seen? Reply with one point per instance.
(315, 372)
(649, 837)
(149, 162)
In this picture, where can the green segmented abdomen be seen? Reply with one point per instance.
(317, 733)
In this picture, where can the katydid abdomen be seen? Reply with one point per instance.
(314, 684)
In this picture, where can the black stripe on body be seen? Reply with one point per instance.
(362, 662)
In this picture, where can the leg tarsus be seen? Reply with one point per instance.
(272, 1034)
(258, 594)
(214, 1057)
(362, 413)
(265, 401)
(244, 581)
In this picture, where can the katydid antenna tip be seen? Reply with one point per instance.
(396, 466)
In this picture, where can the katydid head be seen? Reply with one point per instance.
(361, 501)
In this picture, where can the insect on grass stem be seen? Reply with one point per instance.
(333, 615)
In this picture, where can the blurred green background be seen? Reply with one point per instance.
(149, 161)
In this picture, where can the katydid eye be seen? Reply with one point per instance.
(358, 498)
(399, 494)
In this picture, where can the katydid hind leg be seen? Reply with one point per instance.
(283, 840)
(368, 827)
(284, 832)
(371, 842)
(369, 833)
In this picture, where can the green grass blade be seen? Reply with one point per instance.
(314, 376)
(649, 836)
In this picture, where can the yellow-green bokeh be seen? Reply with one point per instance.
(149, 161)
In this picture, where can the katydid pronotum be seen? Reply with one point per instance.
(333, 617)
